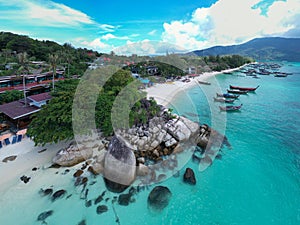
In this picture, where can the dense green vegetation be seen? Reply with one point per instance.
(10, 96)
(218, 63)
(69, 57)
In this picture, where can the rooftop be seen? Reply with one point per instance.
(40, 97)
(17, 109)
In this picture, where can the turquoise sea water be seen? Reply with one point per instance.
(257, 181)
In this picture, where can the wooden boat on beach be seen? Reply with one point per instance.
(226, 95)
(239, 92)
(243, 88)
(231, 108)
(204, 82)
(224, 100)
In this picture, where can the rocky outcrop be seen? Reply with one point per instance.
(210, 142)
(119, 166)
(79, 151)
(159, 198)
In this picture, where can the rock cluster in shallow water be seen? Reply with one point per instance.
(141, 150)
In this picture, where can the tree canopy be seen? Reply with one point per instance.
(53, 123)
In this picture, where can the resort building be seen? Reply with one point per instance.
(16, 115)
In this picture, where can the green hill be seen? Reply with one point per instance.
(271, 48)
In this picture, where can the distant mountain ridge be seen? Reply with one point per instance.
(270, 48)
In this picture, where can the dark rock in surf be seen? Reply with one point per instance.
(102, 209)
(82, 222)
(88, 203)
(44, 215)
(189, 176)
(99, 199)
(58, 194)
(124, 199)
(47, 191)
(78, 173)
(25, 179)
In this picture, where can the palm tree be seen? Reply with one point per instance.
(53, 58)
(6, 53)
(23, 61)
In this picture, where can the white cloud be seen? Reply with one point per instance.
(47, 13)
(152, 33)
(230, 21)
(111, 36)
(95, 44)
(147, 47)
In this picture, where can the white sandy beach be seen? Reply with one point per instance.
(28, 157)
(164, 93)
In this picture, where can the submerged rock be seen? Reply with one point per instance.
(78, 173)
(58, 194)
(189, 176)
(99, 199)
(88, 203)
(45, 192)
(101, 209)
(159, 198)
(119, 166)
(124, 199)
(82, 222)
(44, 215)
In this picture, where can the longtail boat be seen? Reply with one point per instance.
(231, 107)
(225, 100)
(239, 92)
(204, 82)
(243, 88)
(280, 74)
(226, 95)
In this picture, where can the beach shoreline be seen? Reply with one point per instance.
(166, 92)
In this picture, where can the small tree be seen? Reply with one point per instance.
(53, 58)
(23, 61)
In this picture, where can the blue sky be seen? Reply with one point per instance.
(143, 27)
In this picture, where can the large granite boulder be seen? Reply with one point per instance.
(72, 155)
(119, 166)
(182, 129)
(159, 198)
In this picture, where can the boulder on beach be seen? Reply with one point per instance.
(119, 166)
(72, 156)
(159, 198)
